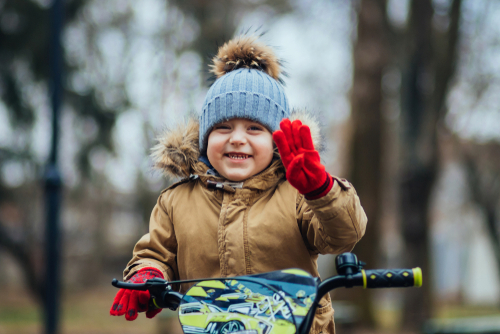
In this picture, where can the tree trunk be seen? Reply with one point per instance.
(430, 64)
(370, 58)
(482, 163)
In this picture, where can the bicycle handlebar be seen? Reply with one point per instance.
(373, 278)
(161, 294)
(130, 286)
(348, 267)
(392, 278)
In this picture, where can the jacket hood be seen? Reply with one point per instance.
(177, 152)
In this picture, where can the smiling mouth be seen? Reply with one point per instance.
(237, 156)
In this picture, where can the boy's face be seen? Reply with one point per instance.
(239, 148)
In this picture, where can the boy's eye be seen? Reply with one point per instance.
(255, 128)
(222, 126)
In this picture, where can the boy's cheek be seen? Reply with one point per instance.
(212, 157)
(214, 149)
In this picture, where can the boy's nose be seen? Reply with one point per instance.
(237, 138)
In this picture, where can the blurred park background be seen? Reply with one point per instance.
(407, 92)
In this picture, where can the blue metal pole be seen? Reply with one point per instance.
(53, 183)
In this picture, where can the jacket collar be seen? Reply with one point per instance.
(262, 181)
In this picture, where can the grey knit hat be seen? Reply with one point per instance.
(248, 86)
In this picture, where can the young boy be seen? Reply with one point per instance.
(242, 208)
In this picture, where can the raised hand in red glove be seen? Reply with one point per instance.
(130, 302)
(304, 170)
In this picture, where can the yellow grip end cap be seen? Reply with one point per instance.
(417, 277)
(154, 302)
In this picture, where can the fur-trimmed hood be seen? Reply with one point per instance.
(177, 152)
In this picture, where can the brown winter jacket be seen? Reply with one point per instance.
(198, 230)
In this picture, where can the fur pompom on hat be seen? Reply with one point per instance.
(248, 85)
(246, 52)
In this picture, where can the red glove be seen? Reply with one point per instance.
(304, 170)
(130, 302)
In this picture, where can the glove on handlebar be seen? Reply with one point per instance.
(304, 170)
(130, 302)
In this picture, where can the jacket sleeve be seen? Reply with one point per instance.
(158, 248)
(334, 223)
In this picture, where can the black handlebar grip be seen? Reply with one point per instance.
(131, 286)
(392, 278)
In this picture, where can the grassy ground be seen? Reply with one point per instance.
(86, 312)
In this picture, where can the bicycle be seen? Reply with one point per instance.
(278, 302)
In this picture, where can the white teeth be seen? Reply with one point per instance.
(237, 156)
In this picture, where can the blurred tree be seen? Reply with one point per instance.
(218, 21)
(371, 55)
(477, 138)
(482, 162)
(24, 75)
(425, 53)
(428, 67)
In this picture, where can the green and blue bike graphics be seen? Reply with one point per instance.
(267, 303)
